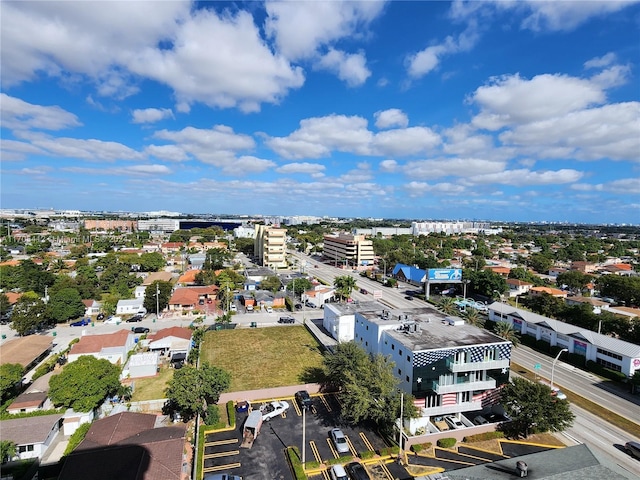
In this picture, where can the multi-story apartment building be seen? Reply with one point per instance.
(356, 250)
(107, 225)
(159, 225)
(449, 366)
(270, 246)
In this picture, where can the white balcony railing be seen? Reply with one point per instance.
(450, 409)
(473, 366)
(463, 386)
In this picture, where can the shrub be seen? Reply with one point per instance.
(212, 416)
(339, 460)
(418, 447)
(446, 442)
(311, 465)
(393, 450)
(77, 437)
(231, 413)
(367, 454)
(605, 372)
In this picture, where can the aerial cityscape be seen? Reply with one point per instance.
(505, 111)
(319, 240)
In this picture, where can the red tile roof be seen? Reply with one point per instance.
(94, 343)
(180, 332)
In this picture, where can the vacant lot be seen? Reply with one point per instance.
(151, 388)
(264, 357)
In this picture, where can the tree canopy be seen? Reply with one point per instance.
(28, 314)
(192, 389)
(10, 376)
(533, 409)
(64, 305)
(85, 383)
(344, 286)
(163, 289)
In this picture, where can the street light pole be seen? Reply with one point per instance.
(157, 300)
(553, 365)
(304, 440)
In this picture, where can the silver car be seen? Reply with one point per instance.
(339, 440)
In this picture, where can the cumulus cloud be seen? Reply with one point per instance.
(91, 150)
(151, 115)
(350, 68)
(405, 141)
(393, 117)
(130, 170)
(603, 61)
(459, 167)
(524, 177)
(247, 164)
(624, 186)
(301, 167)
(18, 114)
(388, 166)
(171, 153)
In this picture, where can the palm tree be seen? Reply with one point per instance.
(344, 285)
(472, 316)
(506, 331)
(447, 305)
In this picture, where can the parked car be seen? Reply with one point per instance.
(304, 399)
(249, 308)
(135, 318)
(100, 316)
(408, 297)
(81, 322)
(269, 310)
(480, 420)
(309, 304)
(363, 291)
(453, 422)
(286, 320)
(113, 320)
(221, 476)
(633, 448)
(357, 471)
(141, 330)
(339, 440)
(273, 409)
(338, 473)
(298, 306)
(233, 308)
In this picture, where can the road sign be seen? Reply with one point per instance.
(377, 294)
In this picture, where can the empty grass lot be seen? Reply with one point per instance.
(152, 388)
(264, 357)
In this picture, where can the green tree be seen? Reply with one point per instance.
(8, 450)
(191, 390)
(344, 286)
(623, 289)
(151, 262)
(348, 356)
(163, 289)
(533, 409)
(244, 245)
(5, 304)
(486, 282)
(447, 305)
(473, 317)
(64, 305)
(85, 383)
(10, 376)
(576, 281)
(272, 284)
(299, 286)
(28, 314)
(216, 259)
(540, 263)
(506, 331)
(545, 304)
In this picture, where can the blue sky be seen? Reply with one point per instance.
(507, 111)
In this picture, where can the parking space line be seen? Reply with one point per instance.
(222, 454)
(326, 404)
(217, 468)
(325, 475)
(221, 442)
(296, 407)
(314, 449)
(386, 471)
(333, 450)
(366, 441)
(351, 447)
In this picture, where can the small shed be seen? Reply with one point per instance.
(142, 365)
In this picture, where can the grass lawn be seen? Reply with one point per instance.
(264, 357)
(152, 388)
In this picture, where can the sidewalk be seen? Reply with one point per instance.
(56, 450)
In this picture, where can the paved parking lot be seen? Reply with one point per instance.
(266, 460)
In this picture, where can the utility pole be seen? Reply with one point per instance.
(157, 300)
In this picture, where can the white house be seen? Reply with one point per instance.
(139, 292)
(32, 435)
(114, 347)
(131, 306)
(171, 341)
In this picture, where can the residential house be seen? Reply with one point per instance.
(584, 267)
(499, 270)
(185, 299)
(622, 269)
(128, 446)
(32, 435)
(131, 306)
(628, 312)
(607, 351)
(518, 287)
(35, 397)
(595, 304)
(555, 271)
(114, 347)
(92, 307)
(171, 247)
(554, 292)
(188, 278)
(170, 341)
(27, 351)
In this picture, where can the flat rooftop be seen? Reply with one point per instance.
(434, 329)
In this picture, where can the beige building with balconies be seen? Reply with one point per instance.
(270, 246)
(355, 250)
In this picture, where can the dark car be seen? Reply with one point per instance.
(100, 316)
(357, 471)
(408, 297)
(309, 304)
(286, 320)
(81, 323)
(480, 420)
(135, 318)
(363, 291)
(298, 306)
(141, 330)
(304, 399)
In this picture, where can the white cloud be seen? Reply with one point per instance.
(18, 114)
(567, 15)
(463, 140)
(172, 153)
(247, 164)
(419, 189)
(459, 167)
(510, 99)
(405, 141)
(603, 61)
(301, 28)
(350, 68)
(625, 186)
(612, 77)
(393, 117)
(301, 167)
(421, 63)
(388, 166)
(151, 115)
(130, 170)
(524, 177)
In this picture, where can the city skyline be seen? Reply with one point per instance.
(499, 111)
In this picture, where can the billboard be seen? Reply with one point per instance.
(444, 274)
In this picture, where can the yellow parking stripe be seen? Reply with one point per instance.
(314, 449)
(333, 450)
(386, 471)
(366, 441)
(326, 404)
(221, 442)
(351, 447)
(217, 468)
(222, 454)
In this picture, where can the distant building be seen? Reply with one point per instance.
(270, 246)
(355, 250)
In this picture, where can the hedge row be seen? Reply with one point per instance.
(479, 437)
(293, 454)
(367, 454)
(231, 413)
(393, 450)
(446, 442)
(339, 461)
(418, 447)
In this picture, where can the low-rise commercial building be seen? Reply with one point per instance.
(355, 250)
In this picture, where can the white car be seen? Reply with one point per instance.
(273, 409)
(338, 473)
(113, 320)
(269, 310)
(453, 422)
(233, 308)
